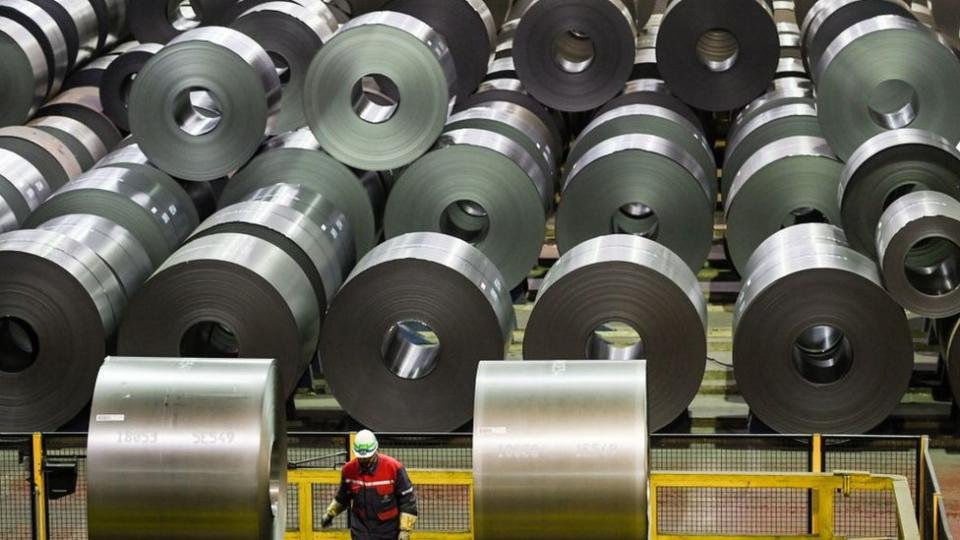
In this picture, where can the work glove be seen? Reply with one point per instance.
(407, 521)
(404, 535)
(332, 512)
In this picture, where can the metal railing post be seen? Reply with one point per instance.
(39, 488)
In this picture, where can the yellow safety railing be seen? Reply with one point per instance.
(824, 487)
(306, 479)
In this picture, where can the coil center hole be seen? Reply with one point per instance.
(822, 354)
(799, 216)
(410, 349)
(375, 98)
(615, 340)
(281, 65)
(898, 192)
(182, 15)
(718, 50)
(893, 104)
(635, 218)
(466, 220)
(209, 339)
(573, 51)
(931, 266)
(197, 111)
(19, 345)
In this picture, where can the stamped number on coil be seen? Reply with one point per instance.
(137, 437)
(213, 437)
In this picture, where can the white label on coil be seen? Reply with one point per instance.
(111, 417)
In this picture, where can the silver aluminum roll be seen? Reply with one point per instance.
(47, 153)
(203, 105)
(292, 35)
(24, 85)
(378, 94)
(414, 320)
(226, 295)
(61, 303)
(790, 181)
(638, 184)
(640, 288)
(82, 141)
(159, 21)
(718, 56)
(819, 346)
(161, 428)
(483, 188)
(83, 105)
(795, 118)
(117, 82)
(883, 74)
(575, 435)
(575, 55)
(301, 222)
(48, 35)
(22, 186)
(144, 201)
(297, 158)
(918, 246)
(116, 246)
(887, 167)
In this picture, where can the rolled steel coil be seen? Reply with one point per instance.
(481, 187)
(83, 105)
(790, 181)
(48, 34)
(575, 55)
(819, 346)
(641, 184)
(226, 295)
(217, 94)
(117, 82)
(149, 420)
(301, 222)
(549, 422)
(917, 245)
(47, 153)
(949, 344)
(297, 158)
(946, 14)
(887, 167)
(884, 74)
(639, 287)
(22, 186)
(355, 86)
(160, 21)
(82, 141)
(144, 201)
(718, 56)
(291, 34)
(24, 86)
(414, 319)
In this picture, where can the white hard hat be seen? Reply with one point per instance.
(365, 445)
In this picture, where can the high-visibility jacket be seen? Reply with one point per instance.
(376, 495)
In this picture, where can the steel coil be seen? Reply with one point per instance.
(917, 245)
(61, 303)
(117, 82)
(790, 181)
(718, 56)
(639, 288)
(22, 186)
(883, 74)
(414, 319)
(946, 14)
(25, 83)
(355, 86)
(47, 153)
(46, 31)
(547, 423)
(507, 100)
(301, 222)
(483, 188)
(638, 184)
(575, 55)
(226, 295)
(144, 201)
(159, 21)
(83, 105)
(887, 167)
(291, 34)
(819, 346)
(149, 419)
(203, 105)
(82, 141)
(949, 343)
